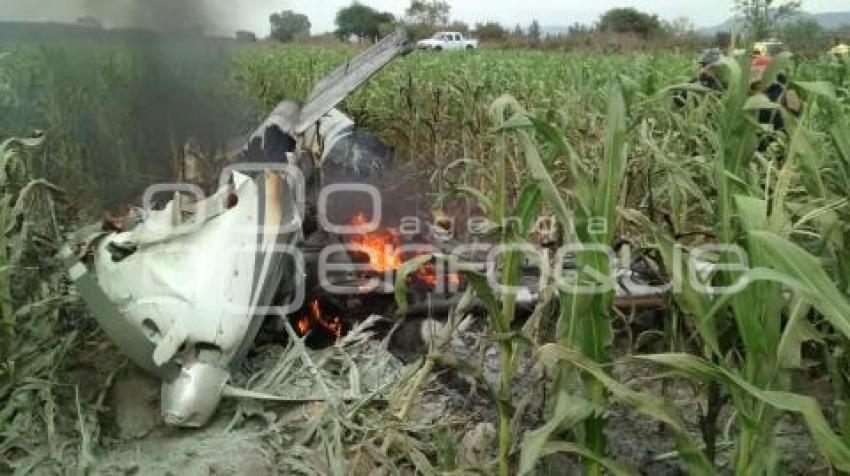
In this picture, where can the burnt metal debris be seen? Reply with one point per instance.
(183, 290)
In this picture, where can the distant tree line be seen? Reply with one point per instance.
(424, 17)
(758, 19)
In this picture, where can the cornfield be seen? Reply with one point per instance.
(576, 136)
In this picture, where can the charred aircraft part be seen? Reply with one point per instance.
(183, 290)
(185, 303)
(318, 130)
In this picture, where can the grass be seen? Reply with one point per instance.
(32, 352)
(517, 133)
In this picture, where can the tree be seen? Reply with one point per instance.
(490, 31)
(361, 20)
(805, 36)
(246, 36)
(761, 17)
(518, 31)
(579, 29)
(534, 31)
(287, 24)
(629, 20)
(432, 13)
(459, 27)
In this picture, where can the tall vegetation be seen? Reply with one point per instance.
(120, 112)
(598, 144)
(805, 37)
(762, 17)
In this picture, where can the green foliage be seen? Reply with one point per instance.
(583, 321)
(762, 17)
(805, 37)
(629, 20)
(361, 20)
(32, 352)
(432, 13)
(425, 17)
(287, 25)
(490, 31)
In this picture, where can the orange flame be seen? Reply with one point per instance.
(380, 246)
(305, 323)
(428, 275)
(333, 326)
(302, 326)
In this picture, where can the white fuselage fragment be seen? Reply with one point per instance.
(187, 283)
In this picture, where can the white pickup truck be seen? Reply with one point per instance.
(447, 40)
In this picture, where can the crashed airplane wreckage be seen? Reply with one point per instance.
(183, 290)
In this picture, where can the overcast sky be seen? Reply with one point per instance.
(226, 16)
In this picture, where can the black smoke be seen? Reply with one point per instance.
(119, 105)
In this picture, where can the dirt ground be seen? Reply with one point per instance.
(134, 441)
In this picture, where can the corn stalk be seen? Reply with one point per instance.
(757, 213)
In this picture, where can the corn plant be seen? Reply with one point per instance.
(512, 221)
(583, 330)
(30, 351)
(756, 212)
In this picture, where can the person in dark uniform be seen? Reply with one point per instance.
(708, 76)
(777, 92)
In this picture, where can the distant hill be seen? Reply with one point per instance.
(827, 20)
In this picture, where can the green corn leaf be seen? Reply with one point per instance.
(553, 137)
(483, 200)
(759, 102)
(404, 271)
(649, 405)
(804, 269)
(819, 88)
(527, 210)
(797, 332)
(483, 291)
(612, 466)
(614, 166)
(831, 445)
(665, 93)
(569, 411)
(541, 175)
(698, 305)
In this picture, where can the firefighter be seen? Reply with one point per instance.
(708, 76)
(840, 50)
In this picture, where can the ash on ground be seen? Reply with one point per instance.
(365, 376)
